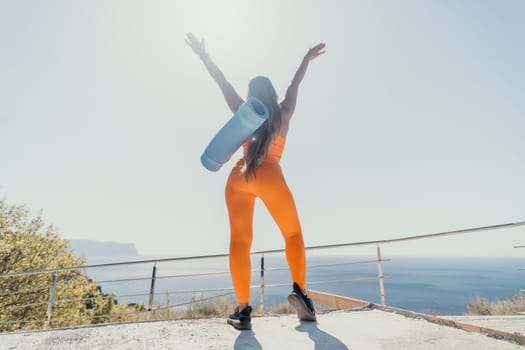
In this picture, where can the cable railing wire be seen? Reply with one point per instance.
(150, 308)
(149, 278)
(14, 307)
(23, 291)
(329, 246)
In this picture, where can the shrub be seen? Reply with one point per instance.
(482, 306)
(28, 244)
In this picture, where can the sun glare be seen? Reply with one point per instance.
(224, 19)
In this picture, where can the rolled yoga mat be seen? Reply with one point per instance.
(248, 118)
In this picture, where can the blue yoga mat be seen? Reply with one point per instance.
(248, 118)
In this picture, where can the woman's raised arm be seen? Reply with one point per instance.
(288, 104)
(230, 95)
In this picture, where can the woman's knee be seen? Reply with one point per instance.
(294, 236)
(240, 242)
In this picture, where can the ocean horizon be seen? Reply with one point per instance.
(432, 285)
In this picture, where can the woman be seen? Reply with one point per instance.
(258, 174)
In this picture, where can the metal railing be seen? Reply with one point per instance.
(149, 309)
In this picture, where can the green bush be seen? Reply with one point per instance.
(27, 244)
(482, 306)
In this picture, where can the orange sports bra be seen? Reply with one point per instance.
(276, 148)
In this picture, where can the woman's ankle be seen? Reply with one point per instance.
(243, 306)
(298, 286)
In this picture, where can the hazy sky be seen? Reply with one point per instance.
(413, 122)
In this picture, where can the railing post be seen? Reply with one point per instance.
(262, 285)
(380, 276)
(52, 292)
(152, 290)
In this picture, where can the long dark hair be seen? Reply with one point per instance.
(262, 88)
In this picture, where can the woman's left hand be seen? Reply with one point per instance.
(315, 51)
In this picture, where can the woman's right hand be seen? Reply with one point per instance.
(196, 45)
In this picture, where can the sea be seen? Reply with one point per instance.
(432, 285)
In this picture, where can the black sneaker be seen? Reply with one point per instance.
(241, 320)
(302, 304)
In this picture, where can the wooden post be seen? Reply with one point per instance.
(380, 276)
(52, 292)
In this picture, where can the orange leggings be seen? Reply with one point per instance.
(269, 185)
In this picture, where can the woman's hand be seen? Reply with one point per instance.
(232, 97)
(196, 45)
(315, 51)
(288, 104)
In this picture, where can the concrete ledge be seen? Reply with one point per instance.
(494, 333)
(510, 324)
(337, 301)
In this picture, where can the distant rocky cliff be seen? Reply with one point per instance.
(81, 247)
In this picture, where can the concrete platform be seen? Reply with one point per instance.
(510, 324)
(338, 330)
